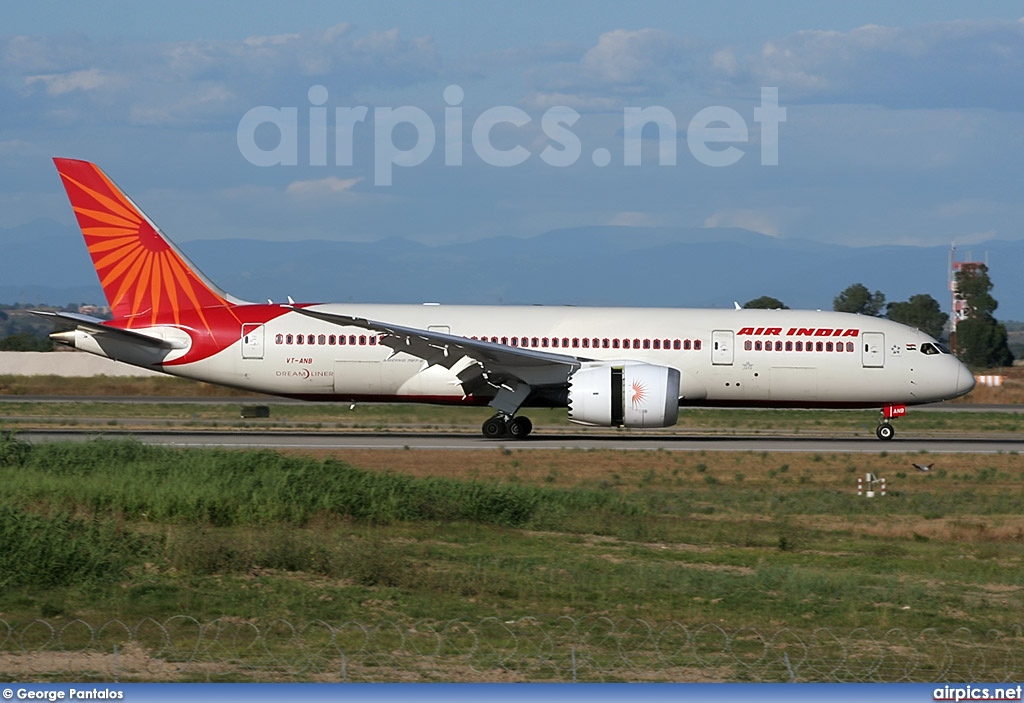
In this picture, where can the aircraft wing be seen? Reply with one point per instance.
(511, 371)
(96, 326)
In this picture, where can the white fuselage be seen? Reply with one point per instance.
(726, 357)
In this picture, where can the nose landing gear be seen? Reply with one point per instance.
(885, 429)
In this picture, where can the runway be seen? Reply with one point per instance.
(585, 441)
(944, 407)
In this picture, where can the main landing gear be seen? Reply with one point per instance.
(885, 429)
(502, 425)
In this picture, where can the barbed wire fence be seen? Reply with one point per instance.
(589, 648)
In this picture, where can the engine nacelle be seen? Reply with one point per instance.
(624, 395)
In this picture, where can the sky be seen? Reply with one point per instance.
(453, 121)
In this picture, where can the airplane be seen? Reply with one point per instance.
(609, 367)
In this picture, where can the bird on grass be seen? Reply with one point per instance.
(923, 467)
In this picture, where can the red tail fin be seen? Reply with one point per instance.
(144, 276)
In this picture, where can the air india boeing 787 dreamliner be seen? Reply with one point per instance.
(611, 367)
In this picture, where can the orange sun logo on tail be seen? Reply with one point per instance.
(144, 277)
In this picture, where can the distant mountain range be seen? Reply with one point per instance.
(44, 262)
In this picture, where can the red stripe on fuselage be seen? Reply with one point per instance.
(212, 329)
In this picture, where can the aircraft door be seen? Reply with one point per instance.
(873, 347)
(252, 340)
(721, 347)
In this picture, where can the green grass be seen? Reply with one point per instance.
(117, 529)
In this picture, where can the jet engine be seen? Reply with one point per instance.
(624, 395)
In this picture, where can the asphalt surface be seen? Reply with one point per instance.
(472, 441)
(273, 400)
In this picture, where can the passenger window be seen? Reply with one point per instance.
(615, 343)
(322, 339)
(544, 341)
(575, 342)
(300, 339)
(789, 346)
(748, 345)
(279, 339)
(362, 340)
(657, 344)
(676, 344)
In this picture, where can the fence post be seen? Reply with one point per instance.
(789, 667)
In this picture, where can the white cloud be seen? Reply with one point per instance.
(202, 80)
(275, 40)
(61, 83)
(965, 63)
(584, 103)
(181, 108)
(330, 187)
(632, 219)
(628, 57)
(623, 63)
(726, 61)
(15, 147)
(763, 221)
(966, 208)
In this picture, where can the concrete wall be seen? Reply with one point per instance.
(68, 363)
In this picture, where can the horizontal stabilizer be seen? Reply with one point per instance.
(96, 326)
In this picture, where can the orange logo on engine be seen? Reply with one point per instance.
(639, 393)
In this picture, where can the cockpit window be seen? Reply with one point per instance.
(930, 348)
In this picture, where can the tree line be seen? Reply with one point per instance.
(980, 340)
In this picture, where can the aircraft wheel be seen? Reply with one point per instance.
(885, 431)
(494, 427)
(520, 427)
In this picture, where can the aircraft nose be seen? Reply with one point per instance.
(964, 381)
